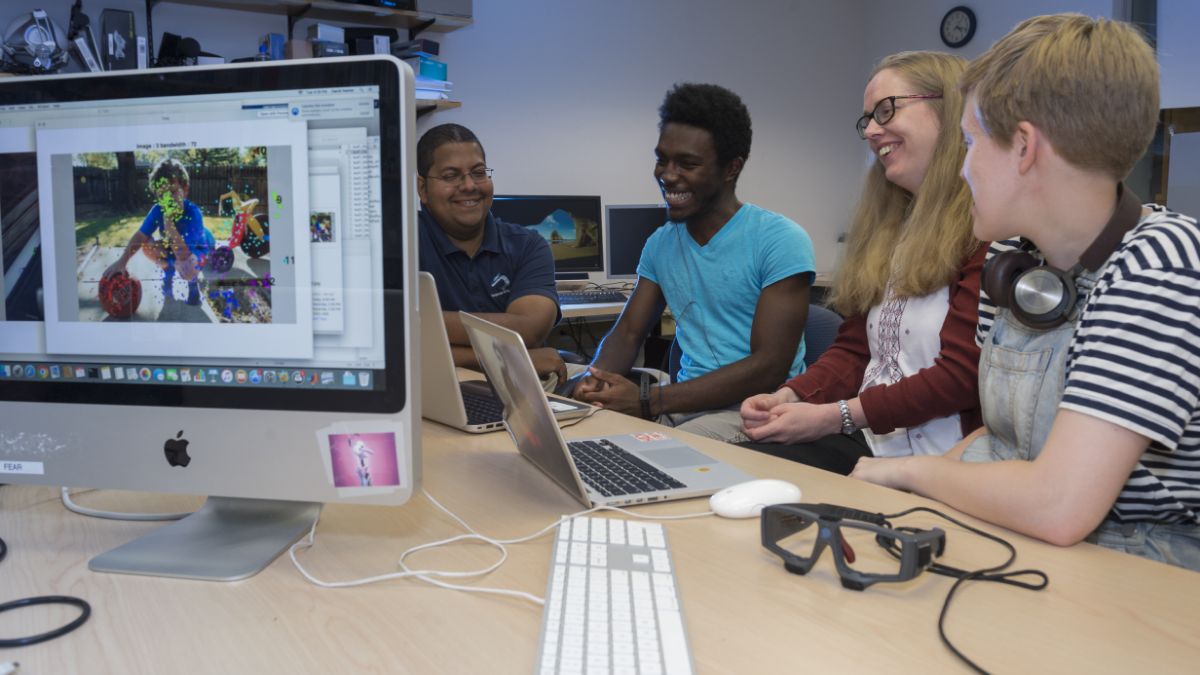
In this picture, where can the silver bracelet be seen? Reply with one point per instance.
(848, 427)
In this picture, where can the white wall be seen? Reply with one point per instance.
(564, 96)
(914, 24)
(564, 93)
(1179, 52)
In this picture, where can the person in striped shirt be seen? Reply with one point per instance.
(1091, 402)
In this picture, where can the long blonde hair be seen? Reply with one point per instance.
(919, 244)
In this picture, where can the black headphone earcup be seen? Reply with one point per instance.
(1001, 272)
(1042, 297)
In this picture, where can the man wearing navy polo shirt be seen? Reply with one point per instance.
(499, 271)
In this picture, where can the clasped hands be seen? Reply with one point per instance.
(782, 418)
(608, 390)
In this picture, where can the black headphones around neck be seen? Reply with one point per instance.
(1041, 296)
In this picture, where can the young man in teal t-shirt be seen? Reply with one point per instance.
(736, 278)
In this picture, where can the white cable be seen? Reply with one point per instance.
(428, 576)
(572, 422)
(115, 515)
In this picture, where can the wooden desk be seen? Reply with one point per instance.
(1103, 611)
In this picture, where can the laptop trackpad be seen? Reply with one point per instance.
(672, 458)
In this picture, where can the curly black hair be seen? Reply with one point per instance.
(437, 137)
(715, 109)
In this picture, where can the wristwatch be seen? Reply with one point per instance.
(848, 427)
(644, 395)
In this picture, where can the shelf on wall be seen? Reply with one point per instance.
(426, 106)
(329, 10)
(337, 11)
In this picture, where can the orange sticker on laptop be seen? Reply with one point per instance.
(648, 436)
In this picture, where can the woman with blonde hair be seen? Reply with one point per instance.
(904, 365)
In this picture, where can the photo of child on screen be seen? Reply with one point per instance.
(182, 243)
(320, 226)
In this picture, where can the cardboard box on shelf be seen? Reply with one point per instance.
(298, 49)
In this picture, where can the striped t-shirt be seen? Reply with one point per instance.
(1134, 361)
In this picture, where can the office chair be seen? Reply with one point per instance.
(819, 332)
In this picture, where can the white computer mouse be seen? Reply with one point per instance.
(746, 500)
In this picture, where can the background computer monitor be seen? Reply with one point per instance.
(627, 228)
(570, 223)
(286, 380)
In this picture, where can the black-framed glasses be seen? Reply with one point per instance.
(884, 111)
(479, 175)
(800, 533)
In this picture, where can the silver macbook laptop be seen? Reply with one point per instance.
(609, 470)
(471, 406)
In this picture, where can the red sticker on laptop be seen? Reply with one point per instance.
(648, 436)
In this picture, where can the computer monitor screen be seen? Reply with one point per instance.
(209, 280)
(570, 224)
(627, 229)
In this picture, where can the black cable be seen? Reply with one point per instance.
(576, 335)
(588, 329)
(85, 611)
(995, 574)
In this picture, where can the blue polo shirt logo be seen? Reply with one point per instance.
(500, 285)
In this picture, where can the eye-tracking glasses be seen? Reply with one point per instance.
(799, 533)
(884, 111)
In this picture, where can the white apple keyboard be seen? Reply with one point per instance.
(611, 603)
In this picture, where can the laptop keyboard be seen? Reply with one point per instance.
(612, 605)
(482, 408)
(593, 296)
(612, 471)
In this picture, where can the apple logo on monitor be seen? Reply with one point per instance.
(176, 450)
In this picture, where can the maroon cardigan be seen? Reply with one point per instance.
(950, 385)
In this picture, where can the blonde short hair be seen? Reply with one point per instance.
(916, 243)
(1091, 85)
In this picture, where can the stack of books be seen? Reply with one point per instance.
(430, 71)
(432, 90)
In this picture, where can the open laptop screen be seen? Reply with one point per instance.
(526, 412)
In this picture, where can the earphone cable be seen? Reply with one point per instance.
(995, 573)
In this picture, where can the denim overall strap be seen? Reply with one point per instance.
(1022, 372)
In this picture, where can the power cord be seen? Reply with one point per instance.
(114, 515)
(85, 611)
(572, 422)
(432, 576)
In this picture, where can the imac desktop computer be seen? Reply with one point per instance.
(209, 288)
(626, 230)
(571, 225)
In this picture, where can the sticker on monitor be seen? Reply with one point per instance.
(364, 460)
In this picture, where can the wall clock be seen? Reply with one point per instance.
(958, 26)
